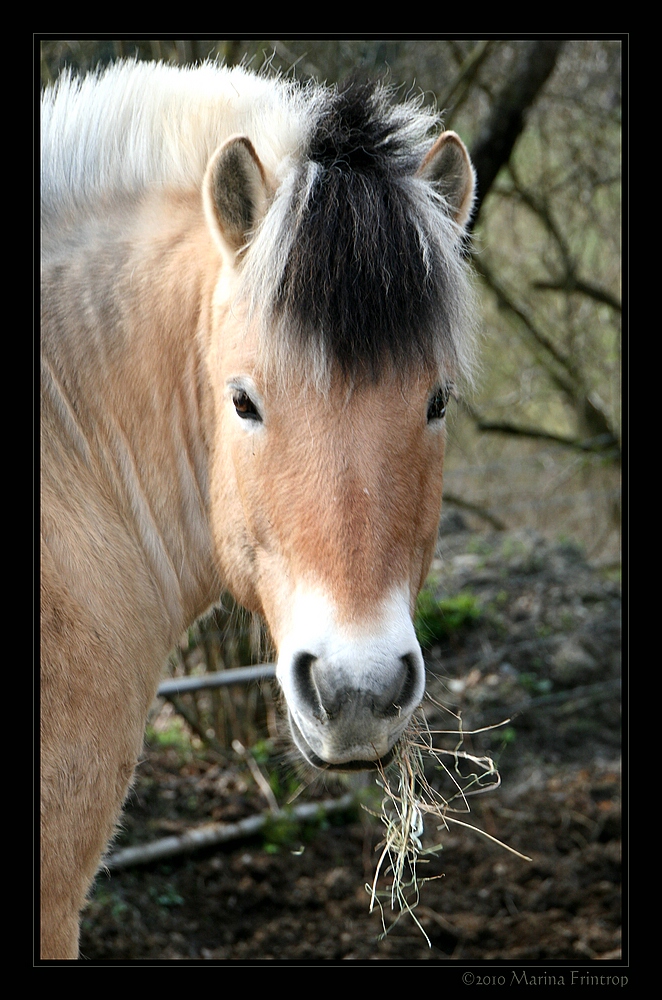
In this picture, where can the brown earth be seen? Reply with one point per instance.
(545, 653)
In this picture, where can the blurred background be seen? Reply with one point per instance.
(537, 444)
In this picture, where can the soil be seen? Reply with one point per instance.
(543, 653)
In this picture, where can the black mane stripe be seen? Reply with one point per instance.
(373, 276)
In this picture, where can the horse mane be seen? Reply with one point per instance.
(357, 263)
(134, 125)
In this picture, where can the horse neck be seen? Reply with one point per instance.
(127, 388)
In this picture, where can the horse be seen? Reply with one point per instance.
(255, 305)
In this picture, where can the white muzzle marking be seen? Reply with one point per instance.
(351, 687)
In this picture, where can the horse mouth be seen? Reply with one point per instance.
(324, 765)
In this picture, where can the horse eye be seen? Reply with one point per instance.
(245, 406)
(437, 404)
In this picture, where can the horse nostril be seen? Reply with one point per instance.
(306, 689)
(402, 700)
(410, 688)
(320, 689)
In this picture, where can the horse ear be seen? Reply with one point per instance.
(449, 168)
(235, 194)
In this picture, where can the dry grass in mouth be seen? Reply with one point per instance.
(409, 799)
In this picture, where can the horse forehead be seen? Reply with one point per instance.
(369, 423)
(391, 399)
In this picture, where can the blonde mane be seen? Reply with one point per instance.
(139, 124)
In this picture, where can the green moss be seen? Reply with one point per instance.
(438, 618)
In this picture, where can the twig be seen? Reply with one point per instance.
(219, 833)
(258, 777)
(476, 509)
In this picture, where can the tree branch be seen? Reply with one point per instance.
(474, 508)
(506, 121)
(558, 366)
(602, 442)
(570, 282)
(573, 284)
(219, 833)
(455, 97)
(563, 372)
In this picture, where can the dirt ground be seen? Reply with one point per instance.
(544, 653)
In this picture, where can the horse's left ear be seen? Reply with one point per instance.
(235, 194)
(449, 168)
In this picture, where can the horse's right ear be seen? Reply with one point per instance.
(235, 194)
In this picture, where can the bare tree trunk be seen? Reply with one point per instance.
(500, 133)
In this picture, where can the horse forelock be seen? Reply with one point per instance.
(358, 266)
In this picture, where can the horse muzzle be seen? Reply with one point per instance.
(351, 683)
(350, 719)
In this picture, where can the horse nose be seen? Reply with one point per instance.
(350, 688)
(331, 698)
